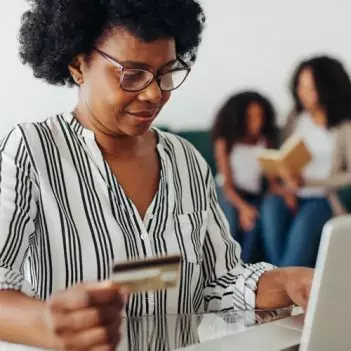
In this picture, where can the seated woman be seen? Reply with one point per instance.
(292, 222)
(243, 126)
(96, 185)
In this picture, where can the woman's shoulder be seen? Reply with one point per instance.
(31, 134)
(30, 128)
(344, 126)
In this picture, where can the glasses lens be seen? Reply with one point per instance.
(173, 79)
(135, 79)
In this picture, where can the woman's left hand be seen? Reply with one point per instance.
(283, 287)
(298, 284)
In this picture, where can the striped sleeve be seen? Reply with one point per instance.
(229, 283)
(18, 194)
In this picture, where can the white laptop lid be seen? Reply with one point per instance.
(328, 319)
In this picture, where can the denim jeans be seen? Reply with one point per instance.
(251, 244)
(292, 239)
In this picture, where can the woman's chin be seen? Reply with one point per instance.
(139, 125)
(137, 129)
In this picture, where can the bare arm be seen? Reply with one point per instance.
(22, 320)
(334, 182)
(224, 169)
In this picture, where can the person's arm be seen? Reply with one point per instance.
(229, 283)
(20, 312)
(334, 182)
(225, 171)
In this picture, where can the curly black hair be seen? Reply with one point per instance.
(231, 122)
(333, 87)
(53, 32)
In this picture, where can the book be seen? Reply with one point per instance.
(293, 156)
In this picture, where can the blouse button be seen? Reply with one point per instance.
(143, 237)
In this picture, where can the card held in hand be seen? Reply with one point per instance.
(148, 274)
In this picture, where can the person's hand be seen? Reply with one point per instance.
(298, 282)
(86, 317)
(247, 217)
(290, 200)
(292, 180)
(279, 288)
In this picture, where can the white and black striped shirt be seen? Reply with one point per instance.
(65, 219)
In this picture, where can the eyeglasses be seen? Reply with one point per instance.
(134, 79)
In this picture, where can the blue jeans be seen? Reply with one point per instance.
(292, 239)
(251, 244)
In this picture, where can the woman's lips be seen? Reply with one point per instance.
(144, 116)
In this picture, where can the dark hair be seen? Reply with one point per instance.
(53, 32)
(231, 120)
(333, 86)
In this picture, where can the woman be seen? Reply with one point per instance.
(97, 185)
(322, 92)
(243, 126)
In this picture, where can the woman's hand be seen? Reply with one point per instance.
(289, 198)
(86, 317)
(298, 285)
(283, 287)
(292, 180)
(247, 217)
(290, 201)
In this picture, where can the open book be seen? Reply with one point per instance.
(293, 155)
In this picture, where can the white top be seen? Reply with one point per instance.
(246, 171)
(64, 219)
(321, 143)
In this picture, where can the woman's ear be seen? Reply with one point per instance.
(76, 69)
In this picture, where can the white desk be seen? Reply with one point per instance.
(272, 336)
(249, 331)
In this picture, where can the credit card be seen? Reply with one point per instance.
(148, 274)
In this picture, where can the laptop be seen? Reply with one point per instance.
(328, 319)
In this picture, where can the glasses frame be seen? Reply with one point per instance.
(155, 76)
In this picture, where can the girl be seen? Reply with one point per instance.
(243, 125)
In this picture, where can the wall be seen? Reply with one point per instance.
(251, 44)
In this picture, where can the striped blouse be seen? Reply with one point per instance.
(65, 219)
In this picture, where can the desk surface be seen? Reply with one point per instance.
(175, 332)
(192, 332)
